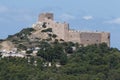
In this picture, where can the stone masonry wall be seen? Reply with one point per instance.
(62, 31)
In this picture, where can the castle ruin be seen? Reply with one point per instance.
(63, 32)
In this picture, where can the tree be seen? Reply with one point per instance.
(63, 59)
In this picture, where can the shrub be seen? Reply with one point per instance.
(54, 35)
(47, 30)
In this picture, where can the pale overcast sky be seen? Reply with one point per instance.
(100, 15)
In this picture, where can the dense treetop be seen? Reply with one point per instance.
(93, 62)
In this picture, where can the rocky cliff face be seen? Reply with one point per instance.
(7, 45)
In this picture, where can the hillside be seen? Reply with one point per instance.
(48, 57)
(29, 38)
(57, 59)
(95, 62)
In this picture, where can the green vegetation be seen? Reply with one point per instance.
(20, 37)
(51, 53)
(22, 47)
(26, 31)
(47, 30)
(23, 33)
(54, 35)
(94, 62)
(44, 25)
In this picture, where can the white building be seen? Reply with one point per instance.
(12, 55)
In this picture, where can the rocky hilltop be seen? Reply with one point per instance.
(30, 37)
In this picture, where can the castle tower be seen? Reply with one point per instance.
(44, 16)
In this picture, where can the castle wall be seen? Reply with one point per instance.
(105, 38)
(73, 36)
(88, 38)
(63, 32)
(60, 29)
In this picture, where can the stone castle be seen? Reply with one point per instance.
(63, 32)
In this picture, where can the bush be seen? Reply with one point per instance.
(21, 46)
(47, 30)
(44, 25)
(54, 35)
